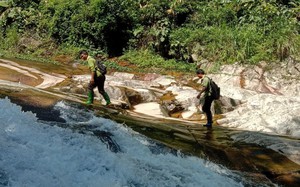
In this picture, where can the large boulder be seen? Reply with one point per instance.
(259, 99)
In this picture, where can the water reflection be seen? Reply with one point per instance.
(209, 135)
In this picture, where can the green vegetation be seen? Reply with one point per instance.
(154, 33)
(145, 59)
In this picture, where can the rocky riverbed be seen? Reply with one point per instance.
(256, 124)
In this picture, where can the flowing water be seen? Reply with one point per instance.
(77, 148)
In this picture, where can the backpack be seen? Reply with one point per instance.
(101, 67)
(215, 89)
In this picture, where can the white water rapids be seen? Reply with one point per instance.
(34, 153)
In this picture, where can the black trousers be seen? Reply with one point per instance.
(206, 108)
(99, 83)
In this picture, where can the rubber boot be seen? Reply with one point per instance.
(208, 125)
(90, 98)
(107, 99)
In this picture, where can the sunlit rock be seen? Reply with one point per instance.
(146, 95)
(123, 75)
(150, 76)
(184, 94)
(165, 80)
(152, 109)
(171, 107)
(192, 113)
(267, 113)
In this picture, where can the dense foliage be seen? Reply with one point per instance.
(221, 31)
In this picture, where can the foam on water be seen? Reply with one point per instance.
(34, 153)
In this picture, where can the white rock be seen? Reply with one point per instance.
(152, 109)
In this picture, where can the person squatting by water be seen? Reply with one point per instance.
(207, 99)
(97, 79)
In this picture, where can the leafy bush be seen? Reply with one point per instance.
(146, 59)
(19, 13)
(11, 38)
(169, 32)
(243, 31)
